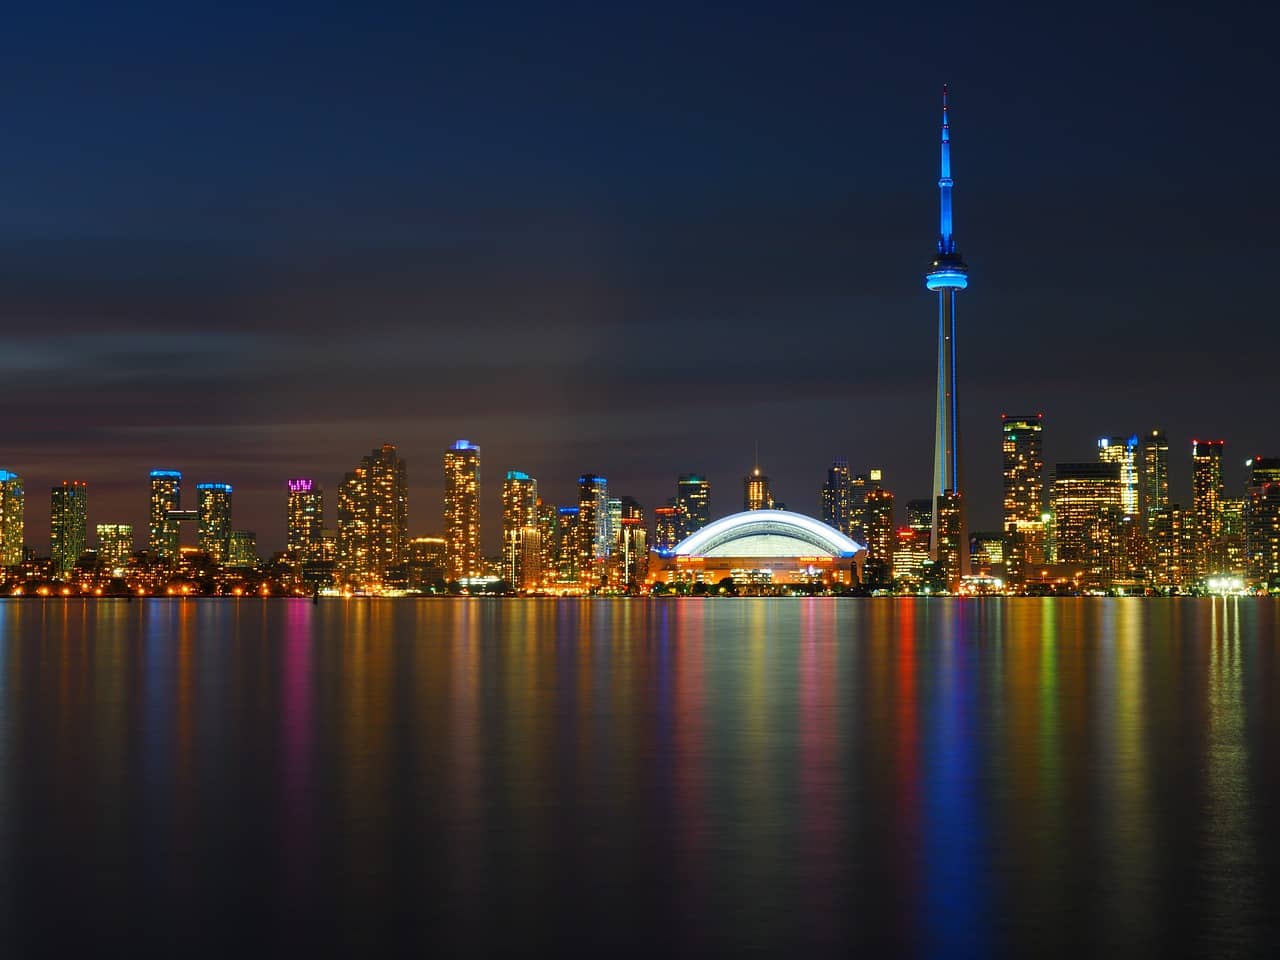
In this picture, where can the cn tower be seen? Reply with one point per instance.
(947, 275)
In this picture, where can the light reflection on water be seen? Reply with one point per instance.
(907, 776)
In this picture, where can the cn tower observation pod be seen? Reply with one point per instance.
(762, 546)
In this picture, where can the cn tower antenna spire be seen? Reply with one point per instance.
(946, 242)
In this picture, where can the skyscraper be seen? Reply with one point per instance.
(214, 530)
(166, 496)
(1206, 503)
(837, 508)
(1154, 477)
(693, 500)
(630, 553)
(1021, 443)
(593, 529)
(756, 494)
(1086, 516)
(881, 536)
(115, 544)
(952, 546)
(12, 512)
(1262, 523)
(373, 518)
(68, 524)
(666, 527)
(1124, 452)
(947, 275)
(305, 519)
(519, 524)
(462, 509)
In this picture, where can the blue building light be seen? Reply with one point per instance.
(174, 474)
(219, 487)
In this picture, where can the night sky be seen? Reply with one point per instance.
(629, 239)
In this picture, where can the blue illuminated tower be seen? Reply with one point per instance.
(947, 275)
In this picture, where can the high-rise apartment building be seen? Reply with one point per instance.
(214, 520)
(1153, 476)
(568, 547)
(877, 568)
(1262, 523)
(13, 501)
(1170, 548)
(519, 525)
(548, 534)
(373, 518)
(163, 529)
(1022, 448)
(305, 521)
(629, 561)
(593, 529)
(693, 501)
(1124, 452)
(837, 505)
(462, 510)
(666, 527)
(115, 545)
(1086, 514)
(952, 552)
(1206, 489)
(242, 549)
(68, 524)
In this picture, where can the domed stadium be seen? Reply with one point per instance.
(761, 547)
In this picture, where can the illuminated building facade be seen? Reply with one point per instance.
(666, 527)
(693, 501)
(951, 541)
(756, 494)
(910, 553)
(305, 521)
(1231, 553)
(920, 517)
(1124, 452)
(1154, 476)
(426, 562)
(593, 529)
(630, 554)
(520, 524)
(1170, 549)
(373, 518)
(947, 276)
(1206, 490)
(1262, 523)
(987, 551)
(548, 534)
(837, 502)
(115, 545)
(568, 547)
(163, 529)
(214, 519)
(1022, 449)
(13, 500)
(68, 524)
(242, 549)
(881, 536)
(1086, 515)
(462, 510)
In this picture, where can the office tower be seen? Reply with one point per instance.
(593, 528)
(305, 519)
(214, 531)
(911, 552)
(693, 501)
(462, 509)
(631, 552)
(613, 511)
(666, 527)
(755, 491)
(1206, 486)
(1154, 475)
(373, 518)
(166, 496)
(920, 516)
(1022, 447)
(948, 275)
(519, 517)
(1262, 523)
(1231, 550)
(1169, 548)
(986, 551)
(13, 501)
(242, 549)
(568, 546)
(837, 507)
(1086, 515)
(877, 568)
(1124, 452)
(952, 543)
(68, 524)
(115, 545)
(425, 562)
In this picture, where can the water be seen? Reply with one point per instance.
(908, 777)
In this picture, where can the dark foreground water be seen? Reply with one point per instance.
(905, 776)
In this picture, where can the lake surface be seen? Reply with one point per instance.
(913, 777)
